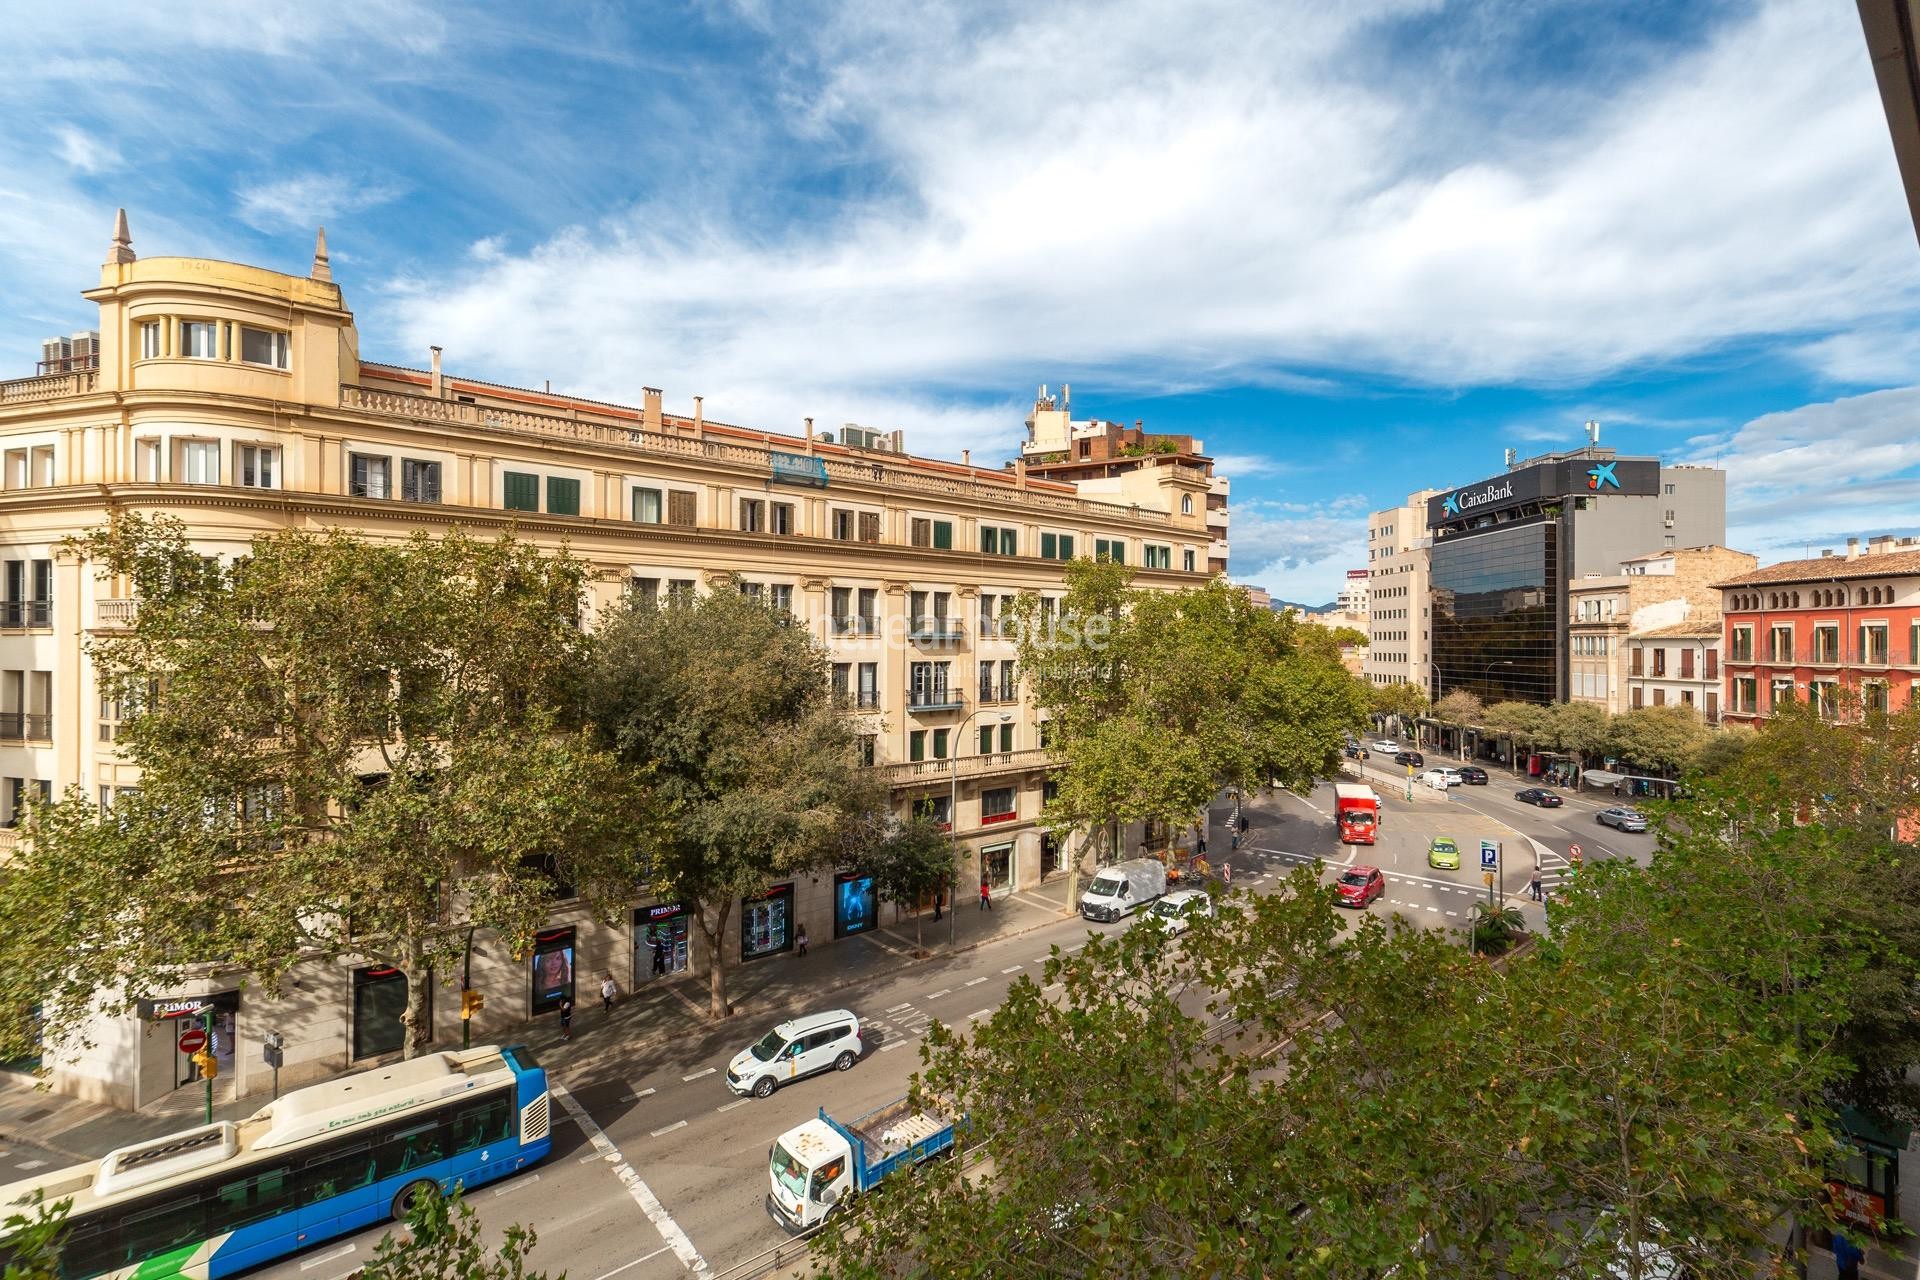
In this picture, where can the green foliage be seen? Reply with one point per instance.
(332, 735)
(730, 711)
(913, 861)
(1402, 698)
(1348, 637)
(1723, 749)
(443, 1242)
(1460, 708)
(30, 1242)
(1665, 739)
(1495, 928)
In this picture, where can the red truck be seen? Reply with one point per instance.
(1356, 811)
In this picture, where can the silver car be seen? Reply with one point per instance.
(1621, 818)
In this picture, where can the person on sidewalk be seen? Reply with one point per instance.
(659, 957)
(1533, 885)
(608, 990)
(986, 896)
(937, 899)
(566, 1017)
(1847, 1257)
(800, 940)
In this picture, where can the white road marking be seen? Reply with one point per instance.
(1013, 968)
(637, 1094)
(973, 982)
(515, 1184)
(677, 1124)
(891, 1045)
(1455, 914)
(592, 1157)
(905, 1004)
(328, 1256)
(978, 1014)
(935, 995)
(628, 1266)
(650, 1205)
(1433, 908)
(696, 1075)
(1043, 959)
(737, 1102)
(32, 1164)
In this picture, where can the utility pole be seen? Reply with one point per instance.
(210, 1066)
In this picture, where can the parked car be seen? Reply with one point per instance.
(1413, 758)
(818, 1042)
(1360, 885)
(1354, 750)
(1442, 778)
(1176, 911)
(1386, 746)
(1621, 818)
(1443, 853)
(1540, 796)
(1473, 775)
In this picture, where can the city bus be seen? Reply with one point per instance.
(316, 1163)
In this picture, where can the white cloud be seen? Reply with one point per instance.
(311, 199)
(86, 152)
(1298, 551)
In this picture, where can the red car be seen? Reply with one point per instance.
(1360, 885)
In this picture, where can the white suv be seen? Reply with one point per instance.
(1178, 910)
(817, 1042)
(1441, 779)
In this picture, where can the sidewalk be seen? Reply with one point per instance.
(668, 1014)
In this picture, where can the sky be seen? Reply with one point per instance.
(1358, 248)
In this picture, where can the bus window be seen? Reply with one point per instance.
(408, 1148)
(335, 1173)
(261, 1194)
(475, 1126)
(150, 1228)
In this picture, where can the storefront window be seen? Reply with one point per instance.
(552, 969)
(996, 865)
(766, 922)
(660, 935)
(379, 1001)
(856, 907)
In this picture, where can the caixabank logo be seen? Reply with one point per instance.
(1600, 475)
(1461, 499)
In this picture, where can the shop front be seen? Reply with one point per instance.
(192, 1023)
(856, 907)
(661, 934)
(997, 866)
(1865, 1183)
(379, 1003)
(550, 970)
(766, 922)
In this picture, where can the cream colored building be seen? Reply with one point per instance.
(1399, 614)
(1648, 635)
(235, 398)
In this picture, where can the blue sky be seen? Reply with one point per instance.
(1358, 248)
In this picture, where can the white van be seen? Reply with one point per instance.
(1124, 888)
(817, 1042)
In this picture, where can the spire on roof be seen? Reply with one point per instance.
(122, 248)
(322, 269)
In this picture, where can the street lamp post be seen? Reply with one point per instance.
(953, 818)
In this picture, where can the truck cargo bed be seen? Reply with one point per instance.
(896, 1127)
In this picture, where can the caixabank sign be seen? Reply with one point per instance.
(1546, 482)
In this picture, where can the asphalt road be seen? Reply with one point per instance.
(659, 1169)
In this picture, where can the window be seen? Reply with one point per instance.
(1874, 650)
(843, 525)
(256, 466)
(680, 589)
(1186, 504)
(870, 526)
(199, 339)
(1114, 549)
(146, 460)
(1659, 697)
(1741, 648)
(1780, 644)
(869, 610)
(843, 683)
(1826, 698)
(1686, 664)
(753, 515)
(1781, 694)
(1636, 696)
(869, 689)
(1159, 557)
(644, 592)
(1660, 661)
(780, 518)
(751, 590)
(998, 804)
(563, 496)
(150, 340)
(519, 491)
(263, 346)
(940, 737)
(935, 809)
(419, 481)
(864, 748)
(199, 462)
(646, 506)
(917, 745)
(780, 597)
(1713, 663)
(682, 507)
(997, 540)
(1826, 643)
(1873, 696)
(937, 534)
(1186, 559)
(1056, 546)
(369, 476)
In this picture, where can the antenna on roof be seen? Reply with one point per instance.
(1593, 433)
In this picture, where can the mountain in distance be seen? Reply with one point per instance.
(1281, 606)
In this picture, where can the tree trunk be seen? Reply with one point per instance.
(414, 1035)
(715, 933)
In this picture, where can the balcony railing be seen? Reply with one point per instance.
(994, 628)
(115, 613)
(49, 386)
(992, 693)
(936, 698)
(855, 625)
(26, 613)
(1814, 655)
(856, 699)
(937, 630)
(25, 726)
(982, 765)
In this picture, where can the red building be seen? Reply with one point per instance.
(1841, 631)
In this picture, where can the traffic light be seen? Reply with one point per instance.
(471, 1002)
(208, 1064)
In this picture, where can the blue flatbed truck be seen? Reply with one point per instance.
(819, 1163)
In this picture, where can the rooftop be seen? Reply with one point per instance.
(1827, 568)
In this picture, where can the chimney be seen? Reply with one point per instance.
(1020, 472)
(966, 457)
(699, 417)
(439, 383)
(650, 408)
(809, 435)
(322, 269)
(122, 248)
(1853, 548)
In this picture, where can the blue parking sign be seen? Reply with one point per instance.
(1489, 854)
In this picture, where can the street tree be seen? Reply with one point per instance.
(30, 1240)
(1348, 637)
(1404, 700)
(1580, 728)
(345, 748)
(444, 1241)
(1522, 724)
(1723, 749)
(727, 711)
(911, 862)
(1661, 738)
(1460, 710)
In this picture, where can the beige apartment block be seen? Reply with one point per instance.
(1649, 635)
(235, 398)
(1399, 613)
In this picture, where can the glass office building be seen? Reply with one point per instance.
(1494, 593)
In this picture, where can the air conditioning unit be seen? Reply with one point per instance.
(855, 436)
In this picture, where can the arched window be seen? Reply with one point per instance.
(1796, 599)
(1186, 504)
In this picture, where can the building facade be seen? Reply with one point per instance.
(1840, 631)
(1505, 550)
(1653, 607)
(235, 399)
(1399, 621)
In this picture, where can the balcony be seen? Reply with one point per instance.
(937, 630)
(855, 625)
(983, 765)
(26, 613)
(25, 726)
(857, 699)
(993, 694)
(49, 386)
(935, 698)
(115, 613)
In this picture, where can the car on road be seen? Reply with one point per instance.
(1443, 853)
(1413, 758)
(1385, 746)
(1441, 779)
(1360, 885)
(1621, 818)
(1473, 775)
(817, 1042)
(1176, 911)
(1354, 750)
(1539, 795)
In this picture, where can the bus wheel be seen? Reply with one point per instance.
(410, 1196)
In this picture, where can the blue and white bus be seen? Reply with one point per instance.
(317, 1163)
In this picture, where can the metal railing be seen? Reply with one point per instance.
(855, 625)
(936, 698)
(26, 613)
(992, 693)
(856, 699)
(973, 766)
(938, 630)
(25, 726)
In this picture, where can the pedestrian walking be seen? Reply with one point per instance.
(1847, 1257)
(1200, 847)
(936, 905)
(1243, 824)
(1534, 884)
(659, 957)
(608, 990)
(986, 896)
(800, 939)
(566, 1017)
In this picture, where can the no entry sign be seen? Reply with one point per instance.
(192, 1040)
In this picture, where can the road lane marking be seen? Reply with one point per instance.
(1455, 914)
(628, 1266)
(944, 991)
(973, 982)
(1043, 959)
(891, 1045)
(31, 1164)
(649, 1203)
(1013, 968)
(904, 1004)
(677, 1124)
(637, 1094)
(696, 1075)
(516, 1184)
(328, 1256)
(737, 1102)
(977, 1014)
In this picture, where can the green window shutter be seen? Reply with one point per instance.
(917, 745)
(520, 491)
(989, 539)
(563, 496)
(1066, 546)
(1009, 543)
(1049, 546)
(943, 535)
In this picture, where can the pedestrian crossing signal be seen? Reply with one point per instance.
(208, 1064)
(471, 1002)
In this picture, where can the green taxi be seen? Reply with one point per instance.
(1443, 853)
